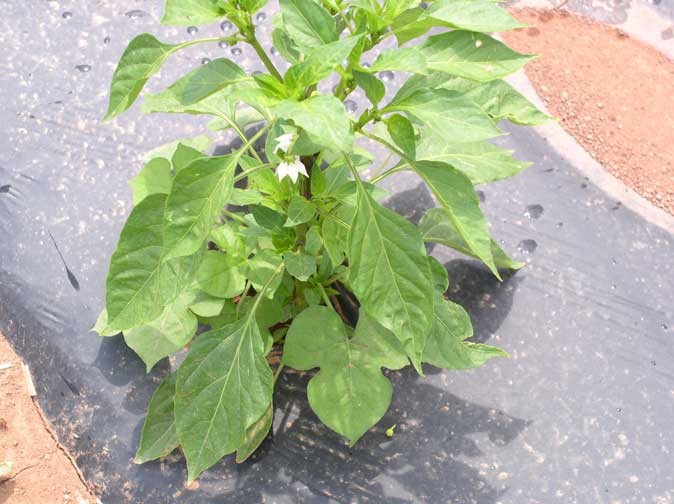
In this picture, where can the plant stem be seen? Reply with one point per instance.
(325, 297)
(234, 216)
(241, 134)
(252, 40)
(243, 297)
(244, 174)
(391, 171)
(381, 166)
(277, 373)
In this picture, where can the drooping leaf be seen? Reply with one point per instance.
(450, 116)
(261, 270)
(191, 12)
(373, 87)
(202, 304)
(445, 346)
(313, 242)
(300, 265)
(323, 117)
(300, 210)
(223, 387)
(389, 273)
(335, 234)
(349, 393)
(199, 193)
(308, 23)
(219, 275)
(440, 275)
(473, 15)
(158, 438)
(140, 282)
(402, 133)
(255, 435)
(154, 178)
(458, 198)
(142, 58)
(171, 331)
(183, 156)
(471, 55)
(210, 78)
(437, 227)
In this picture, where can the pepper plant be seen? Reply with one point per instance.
(273, 245)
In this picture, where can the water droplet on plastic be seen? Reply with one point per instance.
(274, 51)
(424, 5)
(226, 26)
(205, 61)
(492, 467)
(192, 30)
(613, 287)
(136, 13)
(106, 40)
(67, 15)
(613, 261)
(559, 225)
(83, 68)
(236, 51)
(583, 185)
(350, 106)
(618, 410)
(481, 196)
(533, 212)
(527, 246)
(386, 76)
(664, 327)
(257, 72)
(366, 65)
(222, 44)
(652, 363)
(260, 17)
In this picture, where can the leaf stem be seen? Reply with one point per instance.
(234, 216)
(252, 40)
(277, 373)
(245, 173)
(243, 297)
(325, 297)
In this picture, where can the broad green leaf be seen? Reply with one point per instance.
(191, 12)
(374, 88)
(319, 63)
(448, 115)
(101, 326)
(437, 227)
(300, 210)
(167, 151)
(308, 23)
(349, 393)
(210, 78)
(203, 304)
(440, 275)
(419, 83)
(154, 178)
(402, 133)
(142, 58)
(445, 346)
(223, 387)
(183, 156)
(255, 435)
(471, 55)
(158, 438)
(228, 239)
(243, 197)
(284, 44)
(313, 242)
(335, 234)
(456, 194)
(389, 273)
(198, 195)
(219, 275)
(300, 265)
(500, 100)
(394, 8)
(411, 24)
(319, 183)
(171, 331)
(141, 282)
(473, 15)
(261, 270)
(480, 161)
(324, 119)
(404, 59)
(252, 6)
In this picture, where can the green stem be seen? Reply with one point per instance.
(381, 166)
(393, 170)
(336, 219)
(325, 297)
(277, 373)
(241, 134)
(244, 174)
(252, 40)
(234, 216)
(243, 297)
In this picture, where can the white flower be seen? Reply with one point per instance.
(285, 142)
(291, 169)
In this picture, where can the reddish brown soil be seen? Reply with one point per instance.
(614, 94)
(41, 472)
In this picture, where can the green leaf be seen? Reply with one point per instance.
(480, 161)
(403, 59)
(349, 393)
(471, 55)
(394, 8)
(219, 275)
(167, 151)
(300, 210)
(319, 63)
(473, 15)
(174, 328)
(437, 227)
(141, 283)
(335, 234)
(323, 117)
(252, 6)
(223, 387)
(101, 326)
(313, 242)
(142, 58)
(373, 87)
(154, 178)
(445, 346)
(450, 116)
(284, 44)
(158, 438)
(255, 435)
(191, 12)
(389, 273)
(203, 304)
(402, 133)
(210, 78)
(300, 265)
(183, 156)
(198, 195)
(262, 270)
(308, 23)
(440, 275)
(500, 100)
(457, 196)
